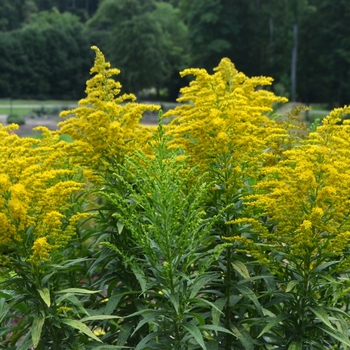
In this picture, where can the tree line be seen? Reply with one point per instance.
(303, 44)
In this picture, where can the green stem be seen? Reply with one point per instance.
(228, 296)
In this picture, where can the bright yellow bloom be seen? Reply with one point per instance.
(307, 194)
(41, 250)
(106, 126)
(99, 331)
(37, 182)
(223, 122)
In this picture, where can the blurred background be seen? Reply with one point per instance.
(45, 47)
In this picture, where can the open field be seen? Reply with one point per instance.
(24, 107)
(318, 111)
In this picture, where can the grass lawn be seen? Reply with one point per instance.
(23, 107)
(318, 111)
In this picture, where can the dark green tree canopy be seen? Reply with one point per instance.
(145, 39)
(303, 44)
(49, 57)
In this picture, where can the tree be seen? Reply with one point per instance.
(326, 65)
(48, 58)
(212, 30)
(14, 12)
(64, 51)
(143, 39)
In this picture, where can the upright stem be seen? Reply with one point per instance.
(228, 296)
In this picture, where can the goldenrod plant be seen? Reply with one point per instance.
(106, 125)
(226, 229)
(300, 216)
(166, 222)
(41, 207)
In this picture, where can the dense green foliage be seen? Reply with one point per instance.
(16, 119)
(225, 229)
(48, 57)
(302, 44)
(146, 40)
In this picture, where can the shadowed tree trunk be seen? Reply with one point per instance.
(293, 71)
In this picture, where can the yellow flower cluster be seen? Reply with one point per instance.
(224, 120)
(307, 194)
(105, 127)
(37, 181)
(41, 250)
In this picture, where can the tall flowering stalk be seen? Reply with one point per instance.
(106, 126)
(37, 182)
(224, 130)
(303, 227)
(226, 229)
(40, 211)
(225, 115)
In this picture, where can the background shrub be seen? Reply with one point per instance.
(16, 119)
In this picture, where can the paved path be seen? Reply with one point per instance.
(3, 118)
(39, 106)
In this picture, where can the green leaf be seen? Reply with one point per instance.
(26, 342)
(296, 345)
(174, 299)
(344, 338)
(141, 279)
(199, 318)
(240, 267)
(274, 321)
(142, 344)
(120, 227)
(291, 285)
(81, 327)
(74, 300)
(147, 318)
(112, 303)
(217, 311)
(98, 318)
(107, 347)
(196, 333)
(215, 329)
(244, 338)
(45, 295)
(322, 315)
(250, 294)
(125, 331)
(78, 291)
(47, 277)
(202, 301)
(200, 283)
(324, 266)
(37, 327)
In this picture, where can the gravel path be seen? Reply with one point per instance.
(27, 128)
(31, 123)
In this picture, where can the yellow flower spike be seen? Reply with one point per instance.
(307, 195)
(37, 181)
(224, 115)
(41, 251)
(106, 125)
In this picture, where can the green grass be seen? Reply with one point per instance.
(319, 106)
(23, 107)
(318, 111)
(36, 102)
